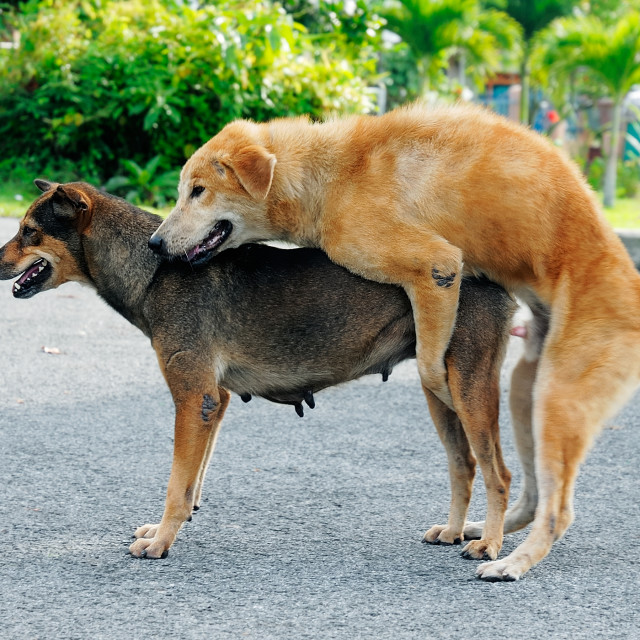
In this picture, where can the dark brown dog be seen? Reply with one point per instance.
(281, 324)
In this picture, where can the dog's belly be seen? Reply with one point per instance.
(289, 377)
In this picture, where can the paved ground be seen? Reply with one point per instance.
(310, 528)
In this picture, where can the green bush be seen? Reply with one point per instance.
(96, 82)
(628, 178)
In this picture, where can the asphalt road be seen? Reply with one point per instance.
(310, 528)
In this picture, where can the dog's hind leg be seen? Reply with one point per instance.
(477, 401)
(473, 428)
(199, 410)
(577, 388)
(521, 404)
(462, 467)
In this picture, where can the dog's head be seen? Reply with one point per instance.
(46, 251)
(221, 197)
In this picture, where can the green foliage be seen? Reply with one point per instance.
(628, 178)
(595, 173)
(607, 53)
(95, 81)
(535, 15)
(402, 78)
(436, 30)
(359, 26)
(145, 185)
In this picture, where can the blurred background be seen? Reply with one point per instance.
(120, 93)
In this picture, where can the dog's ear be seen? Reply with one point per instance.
(254, 167)
(43, 185)
(73, 203)
(67, 195)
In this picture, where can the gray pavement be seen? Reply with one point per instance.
(309, 528)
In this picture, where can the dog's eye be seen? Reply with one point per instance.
(28, 232)
(196, 191)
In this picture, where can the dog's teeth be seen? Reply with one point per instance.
(40, 268)
(44, 262)
(16, 286)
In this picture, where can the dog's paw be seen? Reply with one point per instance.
(151, 548)
(500, 571)
(443, 277)
(481, 550)
(146, 531)
(441, 534)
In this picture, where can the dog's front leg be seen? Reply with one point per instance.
(199, 411)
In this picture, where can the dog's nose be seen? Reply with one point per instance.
(156, 244)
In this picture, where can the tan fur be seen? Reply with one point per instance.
(408, 198)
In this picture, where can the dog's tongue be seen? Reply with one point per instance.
(210, 242)
(29, 272)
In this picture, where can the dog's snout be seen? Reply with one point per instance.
(157, 245)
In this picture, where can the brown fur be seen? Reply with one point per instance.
(411, 198)
(319, 325)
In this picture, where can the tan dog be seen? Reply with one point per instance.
(409, 197)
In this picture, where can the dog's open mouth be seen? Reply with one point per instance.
(208, 247)
(31, 281)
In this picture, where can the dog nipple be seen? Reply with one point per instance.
(299, 409)
(245, 397)
(385, 375)
(308, 398)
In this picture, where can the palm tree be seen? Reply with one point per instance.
(533, 16)
(437, 29)
(609, 53)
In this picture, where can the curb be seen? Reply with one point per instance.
(631, 240)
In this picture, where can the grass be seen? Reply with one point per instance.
(15, 199)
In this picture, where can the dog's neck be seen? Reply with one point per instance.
(120, 264)
(303, 175)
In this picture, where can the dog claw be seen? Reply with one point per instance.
(196, 507)
(163, 555)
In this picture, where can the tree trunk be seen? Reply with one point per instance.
(611, 169)
(524, 86)
(462, 69)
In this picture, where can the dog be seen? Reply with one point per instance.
(261, 321)
(414, 198)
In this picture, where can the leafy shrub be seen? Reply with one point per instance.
(96, 81)
(145, 185)
(595, 174)
(628, 178)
